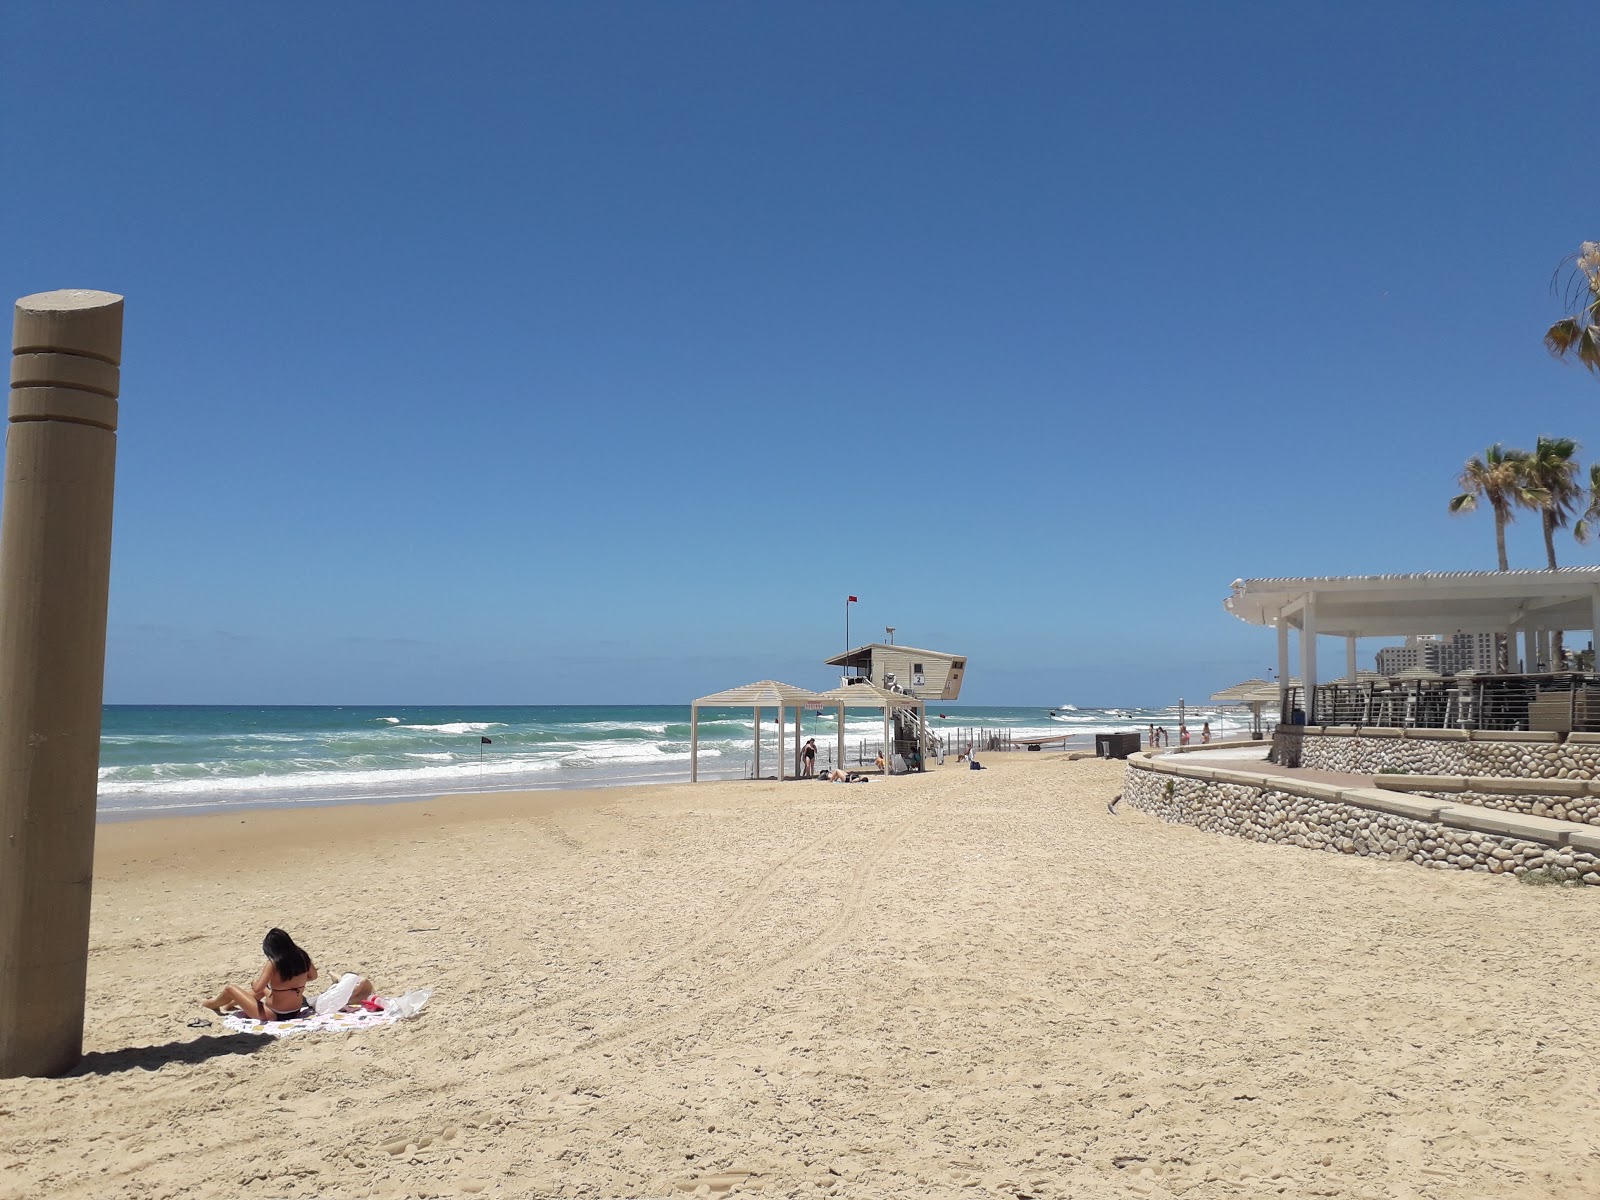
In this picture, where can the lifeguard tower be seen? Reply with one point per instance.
(910, 671)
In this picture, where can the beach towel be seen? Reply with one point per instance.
(326, 1013)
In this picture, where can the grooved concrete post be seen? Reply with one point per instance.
(55, 563)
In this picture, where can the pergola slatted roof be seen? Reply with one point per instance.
(768, 693)
(1425, 602)
(868, 695)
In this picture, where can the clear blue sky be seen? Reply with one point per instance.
(531, 352)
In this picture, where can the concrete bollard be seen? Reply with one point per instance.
(55, 564)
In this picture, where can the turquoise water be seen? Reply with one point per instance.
(157, 758)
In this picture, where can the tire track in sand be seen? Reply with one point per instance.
(728, 989)
(794, 957)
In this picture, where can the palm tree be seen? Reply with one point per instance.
(1498, 477)
(1553, 469)
(1585, 528)
(1579, 333)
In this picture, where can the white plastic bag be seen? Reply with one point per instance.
(408, 1005)
(336, 997)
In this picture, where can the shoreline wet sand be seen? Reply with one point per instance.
(891, 989)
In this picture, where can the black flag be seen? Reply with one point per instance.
(487, 741)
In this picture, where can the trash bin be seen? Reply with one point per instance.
(1115, 745)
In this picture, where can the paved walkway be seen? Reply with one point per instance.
(1230, 758)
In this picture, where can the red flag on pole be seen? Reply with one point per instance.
(851, 600)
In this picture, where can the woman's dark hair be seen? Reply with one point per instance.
(288, 958)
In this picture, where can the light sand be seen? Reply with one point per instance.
(883, 990)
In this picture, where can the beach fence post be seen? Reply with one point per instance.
(694, 742)
(55, 566)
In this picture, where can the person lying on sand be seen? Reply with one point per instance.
(278, 993)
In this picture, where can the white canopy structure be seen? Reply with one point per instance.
(766, 693)
(1254, 692)
(867, 695)
(1533, 603)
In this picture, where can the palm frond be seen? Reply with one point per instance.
(1562, 336)
(1464, 503)
(1589, 348)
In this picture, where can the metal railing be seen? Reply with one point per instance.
(1563, 702)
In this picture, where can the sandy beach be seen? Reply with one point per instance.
(908, 988)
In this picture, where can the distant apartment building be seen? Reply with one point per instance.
(1441, 654)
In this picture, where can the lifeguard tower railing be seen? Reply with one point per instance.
(1563, 701)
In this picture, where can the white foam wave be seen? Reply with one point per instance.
(458, 727)
(388, 720)
(306, 781)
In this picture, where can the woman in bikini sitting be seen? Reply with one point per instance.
(279, 992)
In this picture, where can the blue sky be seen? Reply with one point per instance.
(529, 352)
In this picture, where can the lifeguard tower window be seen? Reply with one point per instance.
(918, 678)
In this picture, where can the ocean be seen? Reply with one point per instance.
(157, 759)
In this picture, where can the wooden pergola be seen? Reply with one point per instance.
(1533, 603)
(766, 693)
(867, 695)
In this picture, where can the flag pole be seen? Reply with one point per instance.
(848, 601)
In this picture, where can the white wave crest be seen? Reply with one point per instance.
(458, 727)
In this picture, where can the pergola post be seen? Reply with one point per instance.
(839, 765)
(1594, 620)
(55, 566)
(1283, 669)
(694, 743)
(758, 741)
(1350, 660)
(782, 729)
(888, 748)
(1530, 645)
(1308, 658)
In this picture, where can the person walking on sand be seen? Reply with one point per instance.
(1153, 736)
(1205, 733)
(1183, 735)
(278, 993)
(808, 758)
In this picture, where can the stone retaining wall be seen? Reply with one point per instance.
(1584, 810)
(1438, 752)
(1264, 811)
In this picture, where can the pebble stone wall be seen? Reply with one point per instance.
(1367, 753)
(1267, 814)
(1585, 810)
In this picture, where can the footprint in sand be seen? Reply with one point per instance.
(713, 1185)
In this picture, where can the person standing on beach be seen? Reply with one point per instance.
(1152, 736)
(1183, 735)
(808, 757)
(1205, 733)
